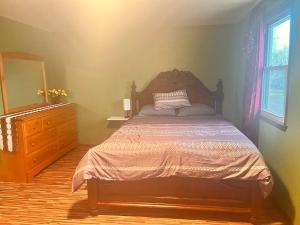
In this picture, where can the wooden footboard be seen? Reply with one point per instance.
(178, 193)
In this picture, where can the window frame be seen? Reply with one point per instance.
(279, 122)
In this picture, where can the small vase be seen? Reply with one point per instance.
(56, 100)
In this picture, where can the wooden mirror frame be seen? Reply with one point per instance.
(21, 56)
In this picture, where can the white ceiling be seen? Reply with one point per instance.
(78, 15)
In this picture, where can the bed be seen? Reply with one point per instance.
(194, 162)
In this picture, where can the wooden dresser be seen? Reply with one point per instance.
(42, 138)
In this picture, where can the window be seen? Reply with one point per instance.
(275, 70)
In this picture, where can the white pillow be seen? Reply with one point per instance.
(171, 100)
(148, 110)
(196, 109)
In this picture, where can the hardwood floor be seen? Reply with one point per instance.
(48, 200)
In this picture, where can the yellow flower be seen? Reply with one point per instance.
(40, 92)
(57, 92)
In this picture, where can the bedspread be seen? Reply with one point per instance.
(197, 147)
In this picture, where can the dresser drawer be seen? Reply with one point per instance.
(32, 127)
(67, 128)
(56, 118)
(37, 168)
(41, 156)
(51, 121)
(40, 140)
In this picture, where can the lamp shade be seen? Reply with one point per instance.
(126, 104)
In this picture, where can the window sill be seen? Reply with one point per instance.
(273, 120)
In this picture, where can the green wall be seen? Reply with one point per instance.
(99, 74)
(17, 37)
(282, 149)
(98, 71)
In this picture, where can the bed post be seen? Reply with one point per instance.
(134, 96)
(219, 97)
(256, 202)
(92, 196)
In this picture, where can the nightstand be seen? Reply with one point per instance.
(116, 122)
(117, 118)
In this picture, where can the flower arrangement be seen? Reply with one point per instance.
(57, 92)
(53, 92)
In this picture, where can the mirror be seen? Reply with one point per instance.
(22, 80)
(22, 75)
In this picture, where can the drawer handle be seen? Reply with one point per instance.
(32, 144)
(34, 160)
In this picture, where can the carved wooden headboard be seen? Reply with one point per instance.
(175, 80)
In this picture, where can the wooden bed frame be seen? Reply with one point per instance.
(235, 196)
(176, 80)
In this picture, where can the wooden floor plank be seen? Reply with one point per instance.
(48, 200)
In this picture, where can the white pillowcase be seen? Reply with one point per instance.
(196, 109)
(148, 110)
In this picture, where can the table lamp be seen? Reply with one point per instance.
(127, 106)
